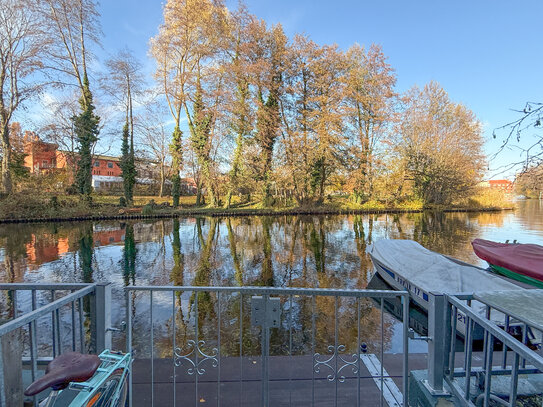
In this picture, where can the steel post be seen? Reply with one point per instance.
(101, 317)
(2, 384)
(437, 331)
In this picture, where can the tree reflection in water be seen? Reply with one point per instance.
(129, 256)
(283, 251)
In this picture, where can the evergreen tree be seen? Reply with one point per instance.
(129, 256)
(128, 166)
(176, 150)
(200, 129)
(86, 130)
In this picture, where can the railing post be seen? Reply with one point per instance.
(101, 317)
(11, 351)
(437, 352)
(2, 384)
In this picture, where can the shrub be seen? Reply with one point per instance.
(53, 202)
(147, 210)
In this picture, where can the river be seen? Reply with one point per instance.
(283, 251)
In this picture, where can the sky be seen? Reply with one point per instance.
(485, 54)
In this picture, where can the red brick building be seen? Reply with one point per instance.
(42, 157)
(502, 184)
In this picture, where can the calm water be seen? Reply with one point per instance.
(304, 251)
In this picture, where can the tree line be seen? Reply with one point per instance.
(257, 115)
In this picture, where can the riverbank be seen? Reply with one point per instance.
(50, 208)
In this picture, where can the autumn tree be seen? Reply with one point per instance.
(171, 78)
(529, 182)
(57, 127)
(369, 111)
(185, 49)
(17, 139)
(238, 82)
(441, 143)
(72, 24)
(296, 108)
(125, 82)
(23, 47)
(267, 55)
(155, 140)
(313, 116)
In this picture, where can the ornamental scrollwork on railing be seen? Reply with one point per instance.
(334, 357)
(196, 350)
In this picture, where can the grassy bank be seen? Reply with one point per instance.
(36, 207)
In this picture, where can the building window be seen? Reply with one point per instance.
(44, 163)
(109, 165)
(97, 163)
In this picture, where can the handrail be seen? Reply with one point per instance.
(273, 290)
(42, 286)
(498, 333)
(34, 315)
(504, 310)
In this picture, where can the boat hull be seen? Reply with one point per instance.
(516, 276)
(522, 262)
(418, 295)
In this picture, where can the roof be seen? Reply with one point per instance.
(106, 157)
(500, 181)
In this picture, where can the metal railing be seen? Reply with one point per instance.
(270, 340)
(514, 342)
(45, 320)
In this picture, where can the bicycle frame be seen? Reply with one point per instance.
(87, 390)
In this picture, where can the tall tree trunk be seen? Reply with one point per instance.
(236, 164)
(6, 158)
(162, 181)
(198, 193)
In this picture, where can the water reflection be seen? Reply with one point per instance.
(301, 251)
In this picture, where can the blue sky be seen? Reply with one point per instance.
(486, 54)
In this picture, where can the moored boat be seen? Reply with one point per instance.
(407, 265)
(522, 262)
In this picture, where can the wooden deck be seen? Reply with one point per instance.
(291, 383)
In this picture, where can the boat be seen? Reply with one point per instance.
(522, 262)
(407, 265)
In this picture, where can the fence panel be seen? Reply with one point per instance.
(502, 353)
(264, 346)
(43, 321)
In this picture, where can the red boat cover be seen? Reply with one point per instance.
(524, 259)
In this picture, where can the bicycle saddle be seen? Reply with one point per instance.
(66, 368)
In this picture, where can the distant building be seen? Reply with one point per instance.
(188, 186)
(39, 155)
(43, 157)
(501, 184)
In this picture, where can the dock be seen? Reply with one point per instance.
(291, 383)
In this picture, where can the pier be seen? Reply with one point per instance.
(278, 361)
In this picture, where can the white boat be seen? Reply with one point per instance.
(406, 265)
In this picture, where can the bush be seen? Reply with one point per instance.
(122, 202)
(411, 204)
(53, 202)
(147, 210)
(488, 198)
(71, 190)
